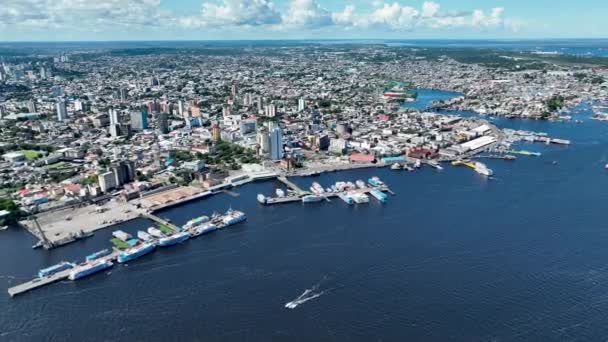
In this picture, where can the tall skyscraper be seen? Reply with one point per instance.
(139, 120)
(234, 90)
(114, 118)
(270, 110)
(62, 113)
(31, 106)
(276, 144)
(163, 123)
(301, 104)
(124, 94)
(180, 108)
(226, 111)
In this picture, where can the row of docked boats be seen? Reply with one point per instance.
(149, 240)
(349, 192)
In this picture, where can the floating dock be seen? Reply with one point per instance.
(327, 195)
(40, 282)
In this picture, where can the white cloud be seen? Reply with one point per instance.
(82, 13)
(307, 14)
(107, 15)
(430, 9)
(235, 13)
(495, 19)
(395, 16)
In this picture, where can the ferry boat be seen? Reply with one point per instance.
(98, 255)
(312, 198)
(345, 197)
(375, 181)
(195, 222)
(203, 229)
(155, 232)
(483, 169)
(233, 217)
(143, 236)
(136, 252)
(62, 266)
(379, 195)
(90, 268)
(173, 239)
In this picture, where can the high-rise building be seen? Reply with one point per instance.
(195, 111)
(180, 108)
(124, 94)
(80, 105)
(233, 90)
(62, 113)
(114, 116)
(42, 74)
(226, 110)
(263, 140)
(270, 110)
(301, 104)
(216, 133)
(276, 144)
(153, 107)
(107, 181)
(139, 120)
(31, 106)
(248, 126)
(260, 102)
(163, 123)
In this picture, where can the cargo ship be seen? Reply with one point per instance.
(90, 268)
(233, 217)
(173, 239)
(195, 222)
(62, 266)
(203, 229)
(98, 255)
(312, 198)
(136, 252)
(379, 195)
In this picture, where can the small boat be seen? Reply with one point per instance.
(280, 193)
(396, 166)
(37, 244)
(360, 184)
(312, 198)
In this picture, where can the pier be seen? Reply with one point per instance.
(328, 195)
(159, 220)
(40, 282)
(292, 186)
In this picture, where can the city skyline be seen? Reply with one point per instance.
(108, 20)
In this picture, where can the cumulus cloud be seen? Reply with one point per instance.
(82, 13)
(99, 15)
(235, 13)
(494, 19)
(308, 14)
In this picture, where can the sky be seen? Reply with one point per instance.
(113, 20)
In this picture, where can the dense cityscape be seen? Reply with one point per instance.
(85, 127)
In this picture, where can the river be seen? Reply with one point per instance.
(452, 256)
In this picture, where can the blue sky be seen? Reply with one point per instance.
(59, 20)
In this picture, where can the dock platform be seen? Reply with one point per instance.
(40, 282)
(292, 185)
(298, 198)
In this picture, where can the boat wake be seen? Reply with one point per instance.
(307, 295)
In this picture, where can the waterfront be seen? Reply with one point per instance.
(453, 257)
